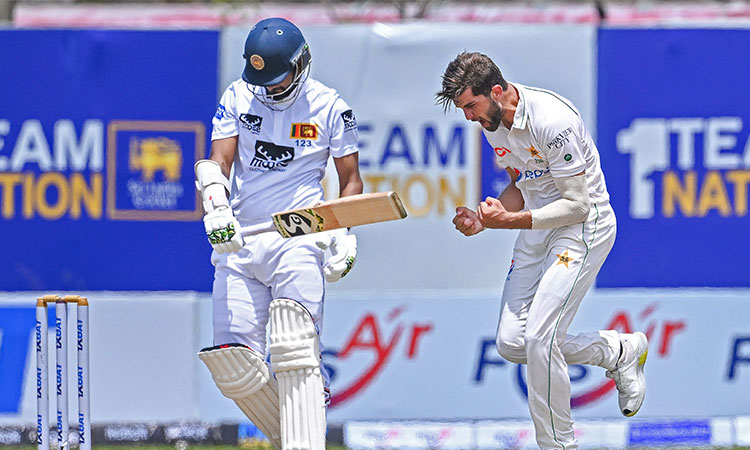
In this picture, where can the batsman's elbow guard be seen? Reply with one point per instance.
(343, 248)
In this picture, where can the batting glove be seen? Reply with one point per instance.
(223, 230)
(343, 248)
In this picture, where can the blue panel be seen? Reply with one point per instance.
(16, 326)
(673, 126)
(100, 130)
(494, 177)
(681, 432)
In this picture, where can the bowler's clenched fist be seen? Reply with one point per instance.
(492, 214)
(467, 221)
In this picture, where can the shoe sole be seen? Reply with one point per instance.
(643, 348)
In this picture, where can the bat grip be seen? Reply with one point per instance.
(258, 228)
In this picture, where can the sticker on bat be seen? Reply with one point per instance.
(298, 223)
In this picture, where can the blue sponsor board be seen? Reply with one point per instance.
(149, 178)
(493, 175)
(99, 132)
(673, 132)
(16, 327)
(670, 433)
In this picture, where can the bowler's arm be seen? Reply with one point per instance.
(511, 196)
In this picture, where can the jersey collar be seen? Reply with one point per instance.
(521, 115)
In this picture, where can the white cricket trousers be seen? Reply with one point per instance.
(267, 267)
(551, 272)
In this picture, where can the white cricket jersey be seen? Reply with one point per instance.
(282, 155)
(548, 139)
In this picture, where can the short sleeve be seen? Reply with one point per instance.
(561, 143)
(225, 122)
(344, 134)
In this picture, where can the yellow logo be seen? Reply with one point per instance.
(534, 152)
(257, 62)
(151, 155)
(564, 259)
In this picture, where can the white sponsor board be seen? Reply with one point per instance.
(405, 356)
(396, 356)
(406, 435)
(742, 425)
(389, 74)
(519, 434)
(482, 435)
(142, 357)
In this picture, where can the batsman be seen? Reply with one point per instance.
(275, 129)
(558, 198)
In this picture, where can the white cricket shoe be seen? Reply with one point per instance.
(628, 374)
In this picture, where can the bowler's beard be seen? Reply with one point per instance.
(494, 116)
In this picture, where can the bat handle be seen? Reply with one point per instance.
(258, 228)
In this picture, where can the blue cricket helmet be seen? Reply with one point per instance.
(274, 48)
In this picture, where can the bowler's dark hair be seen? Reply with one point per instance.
(469, 70)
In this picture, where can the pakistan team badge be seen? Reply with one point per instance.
(563, 258)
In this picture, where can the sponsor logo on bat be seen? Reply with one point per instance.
(298, 223)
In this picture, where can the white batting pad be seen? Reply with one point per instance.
(295, 358)
(242, 375)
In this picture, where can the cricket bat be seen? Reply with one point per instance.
(351, 211)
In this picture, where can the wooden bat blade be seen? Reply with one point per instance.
(343, 212)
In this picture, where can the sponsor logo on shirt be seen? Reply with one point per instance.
(251, 122)
(220, 111)
(350, 122)
(271, 157)
(561, 139)
(304, 131)
(501, 151)
(532, 174)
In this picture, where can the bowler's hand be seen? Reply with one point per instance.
(492, 214)
(467, 221)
